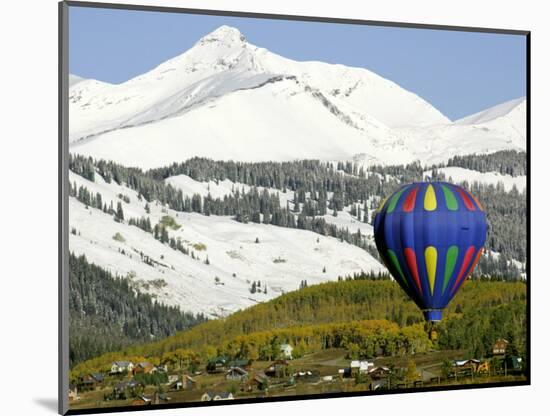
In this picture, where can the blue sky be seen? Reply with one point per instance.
(460, 73)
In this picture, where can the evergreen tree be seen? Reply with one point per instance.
(119, 216)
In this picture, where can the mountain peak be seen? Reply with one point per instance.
(224, 34)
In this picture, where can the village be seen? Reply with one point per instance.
(329, 371)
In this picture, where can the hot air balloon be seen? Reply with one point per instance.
(430, 236)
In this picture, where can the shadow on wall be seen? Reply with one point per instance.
(47, 403)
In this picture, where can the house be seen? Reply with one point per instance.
(465, 367)
(236, 374)
(176, 385)
(258, 381)
(240, 362)
(160, 369)
(471, 362)
(213, 396)
(379, 372)
(188, 382)
(120, 389)
(144, 368)
(361, 367)
(286, 351)
(90, 381)
(98, 377)
(121, 367)
(216, 365)
(500, 346)
(277, 369)
(172, 378)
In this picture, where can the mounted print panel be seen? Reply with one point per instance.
(263, 208)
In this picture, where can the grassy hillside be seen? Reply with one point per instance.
(365, 317)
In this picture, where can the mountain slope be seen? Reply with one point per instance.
(506, 109)
(280, 260)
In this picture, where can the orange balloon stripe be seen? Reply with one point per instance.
(410, 201)
(465, 262)
(477, 202)
(410, 257)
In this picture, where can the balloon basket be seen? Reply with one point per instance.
(433, 315)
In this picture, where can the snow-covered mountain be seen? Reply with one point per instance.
(74, 79)
(238, 254)
(227, 99)
(503, 127)
(513, 110)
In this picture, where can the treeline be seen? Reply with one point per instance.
(506, 162)
(330, 309)
(507, 220)
(317, 186)
(477, 329)
(107, 313)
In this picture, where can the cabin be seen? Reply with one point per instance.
(188, 382)
(244, 363)
(471, 362)
(90, 381)
(216, 365)
(258, 381)
(120, 389)
(236, 374)
(500, 346)
(121, 367)
(378, 373)
(213, 396)
(279, 368)
(465, 367)
(176, 385)
(160, 369)
(286, 351)
(144, 368)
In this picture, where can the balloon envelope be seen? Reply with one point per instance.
(430, 236)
